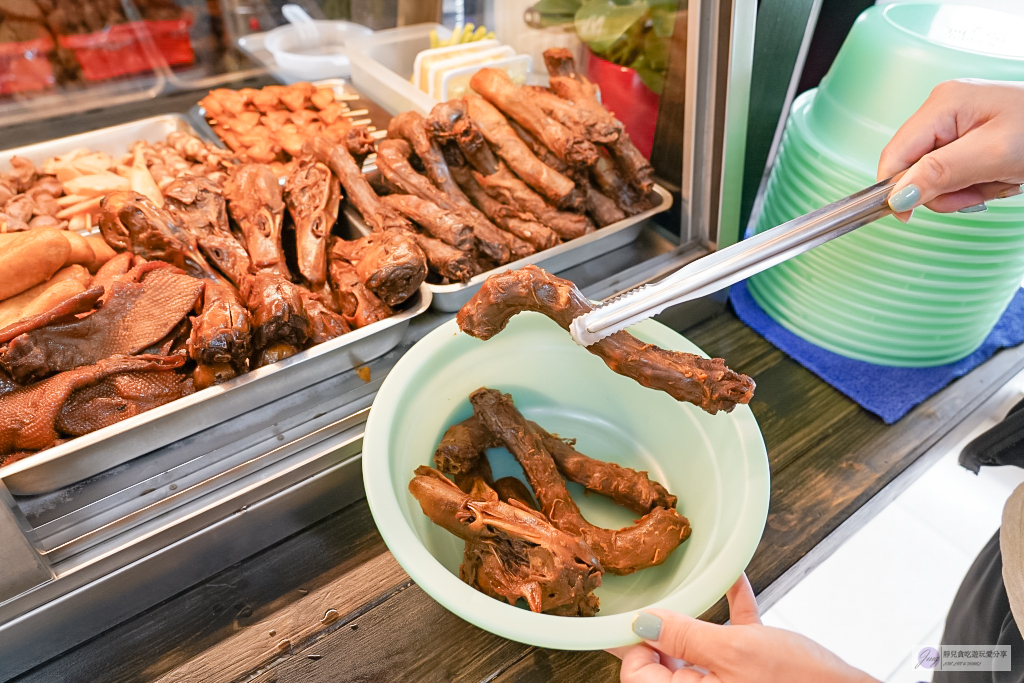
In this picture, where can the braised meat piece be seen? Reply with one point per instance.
(463, 446)
(602, 208)
(571, 85)
(448, 262)
(511, 489)
(522, 225)
(66, 310)
(705, 382)
(277, 312)
(198, 205)
(645, 544)
(28, 414)
(389, 263)
(222, 332)
(7, 384)
(512, 552)
(497, 88)
(255, 202)
(446, 226)
(119, 397)
(359, 306)
(377, 215)
(393, 162)
(579, 120)
(324, 323)
(143, 307)
(614, 186)
(412, 127)
(500, 183)
(131, 222)
(555, 187)
(627, 487)
(312, 195)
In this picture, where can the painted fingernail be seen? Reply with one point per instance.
(647, 626)
(977, 208)
(905, 199)
(1011, 192)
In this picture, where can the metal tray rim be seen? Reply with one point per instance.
(56, 452)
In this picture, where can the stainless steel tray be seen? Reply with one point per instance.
(115, 445)
(111, 446)
(450, 298)
(114, 140)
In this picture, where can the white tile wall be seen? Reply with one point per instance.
(885, 592)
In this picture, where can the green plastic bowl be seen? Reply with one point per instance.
(892, 58)
(716, 464)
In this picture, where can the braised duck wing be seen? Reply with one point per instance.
(28, 415)
(645, 544)
(198, 205)
(277, 312)
(389, 263)
(312, 195)
(256, 204)
(142, 309)
(359, 306)
(119, 397)
(512, 552)
(705, 382)
(450, 263)
(412, 127)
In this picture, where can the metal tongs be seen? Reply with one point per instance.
(737, 262)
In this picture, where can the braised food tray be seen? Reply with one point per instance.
(450, 298)
(88, 455)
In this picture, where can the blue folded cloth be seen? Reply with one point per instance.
(886, 391)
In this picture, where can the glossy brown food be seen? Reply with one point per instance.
(256, 204)
(511, 489)
(62, 312)
(705, 382)
(119, 397)
(359, 306)
(324, 323)
(446, 261)
(131, 222)
(446, 226)
(393, 162)
(463, 445)
(389, 263)
(198, 205)
(517, 103)
(312, 195)
(555, 187)
(377, 215)
(28, 414)
(627, 487)
(512, 552)
(573, 86)
(277, 312)
(645, 544)
(222, 332)
(143, 307)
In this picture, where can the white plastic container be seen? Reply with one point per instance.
(325, 57)
(382, 66)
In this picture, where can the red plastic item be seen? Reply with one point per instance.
(626, 96)
(118, 50)
(25, 66)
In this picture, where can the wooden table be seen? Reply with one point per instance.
(331, 604)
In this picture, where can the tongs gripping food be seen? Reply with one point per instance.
(735, 263)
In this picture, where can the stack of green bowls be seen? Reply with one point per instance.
(915, 295)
